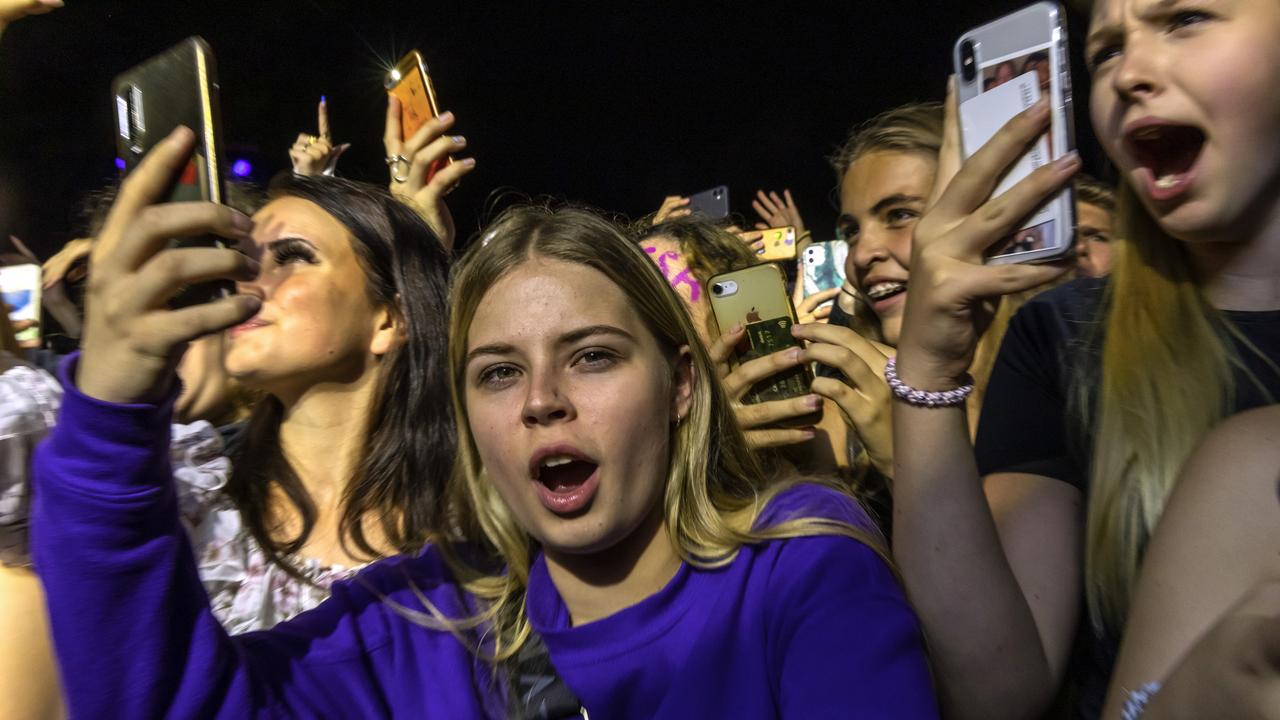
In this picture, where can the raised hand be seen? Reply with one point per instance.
(777, 211)
(673, 206)
(759, 420)
(952, 291)
(410, 160)
(316, 154)
(132, 340)
(862, 395)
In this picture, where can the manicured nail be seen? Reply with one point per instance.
(446, 116)
(322, 100)
(813, 402)
(458, 139)
(794, 354)
(1068, 162)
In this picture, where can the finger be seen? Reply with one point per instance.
(855, 368)
(721, 349)
(450, 175)
(839, 335)
(738, 382)
(392, 136)
(987, 281)
(147, 183)
(816, 299)
(759, 439)
(421, 161)
(758, 246)
(755, 415)
(323, 112)
(761, 210)
(20, 325)
(153, 228)
(751, 236)
(777, 200)
(949, 155)
(1002, 215)
(430, 132)
(766, 202)
(978, 176)
(823, 312)
(168, 328)
(761, 226)
(303, 141)
(168, 272)
(791, 204)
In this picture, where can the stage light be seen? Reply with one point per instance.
(241, 168)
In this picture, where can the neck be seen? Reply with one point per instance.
(322, 433)
(1243, 274)
(598, 585)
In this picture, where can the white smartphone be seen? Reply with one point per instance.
(822, 267)
(1003, 68)
(20, 286)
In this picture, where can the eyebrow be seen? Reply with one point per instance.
(569, 338)
(895, 199)
(289, 239)
(1113, 30)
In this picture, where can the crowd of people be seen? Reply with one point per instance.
(400, 473)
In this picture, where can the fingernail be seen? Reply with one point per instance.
(458, 139)
(322, 100)
(737, 328)
(808, 434)
(446, 116)
(469, 162)
(760, 251)
(1040, 109)
(1069, 162)
(794, 354)
(241, 222)
(813, 402)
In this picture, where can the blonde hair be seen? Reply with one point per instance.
(1158, 330)
(715, 488)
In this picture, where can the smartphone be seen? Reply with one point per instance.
(779, 244)
(20, 286)
(711, 204)
(1003, 68)
(756, 297)
(177, 87)
(411, 83)
(822, 267)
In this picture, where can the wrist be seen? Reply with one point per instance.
(919, 369)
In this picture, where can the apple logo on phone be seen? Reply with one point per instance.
(753, 316)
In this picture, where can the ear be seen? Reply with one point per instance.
(683, 378)
(390, 330)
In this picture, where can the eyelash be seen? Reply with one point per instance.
(897, 216)
(1178, 20)
(607, 358)
(490, 376)
(288, 251)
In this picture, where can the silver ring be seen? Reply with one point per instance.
(392, 162)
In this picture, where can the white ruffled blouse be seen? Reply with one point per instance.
(246, 591)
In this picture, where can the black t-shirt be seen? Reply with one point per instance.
(1031, 423)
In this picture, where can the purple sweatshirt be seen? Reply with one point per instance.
(807, 627)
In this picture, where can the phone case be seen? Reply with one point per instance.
(779, 244)
(757, 298)
(1002, 68)
(411, 83)
(711, 204)
(177, 87)
(822, 267)
(21, 286)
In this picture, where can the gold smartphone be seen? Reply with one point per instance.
(411, 83)
(757, 298)
(779, 243)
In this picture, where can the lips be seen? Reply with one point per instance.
(565, 478)
(1166, 154)
(251, 324)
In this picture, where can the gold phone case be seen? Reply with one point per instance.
(411, 83)
(756, 297)
(779, 243)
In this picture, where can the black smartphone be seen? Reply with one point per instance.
(177, 87)
(711, 204)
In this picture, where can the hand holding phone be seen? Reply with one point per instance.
(131, 349)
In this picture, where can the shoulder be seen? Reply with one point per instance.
(817, 501)
(1239, 461)
(1063, 311)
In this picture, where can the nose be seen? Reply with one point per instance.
(869, 248)
(1139, 68)
(544, 401)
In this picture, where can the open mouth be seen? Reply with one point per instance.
(563, 474)
(1168, 154)
(885, 290)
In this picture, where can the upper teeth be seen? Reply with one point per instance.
(1166, 182)
(1147, 133)
(882, 289)
(556, 461)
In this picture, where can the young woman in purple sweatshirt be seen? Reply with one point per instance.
(635, 536)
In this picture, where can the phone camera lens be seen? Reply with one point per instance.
(968, 63)
(716, 288)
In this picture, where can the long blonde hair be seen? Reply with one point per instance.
(1158, 331)
(715, 488)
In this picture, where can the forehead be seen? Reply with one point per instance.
(542, 299)
(882, 173)
(1092, 216)
(291, 216)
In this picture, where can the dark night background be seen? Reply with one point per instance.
(610, 104)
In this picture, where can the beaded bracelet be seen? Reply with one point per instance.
(924, 398)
